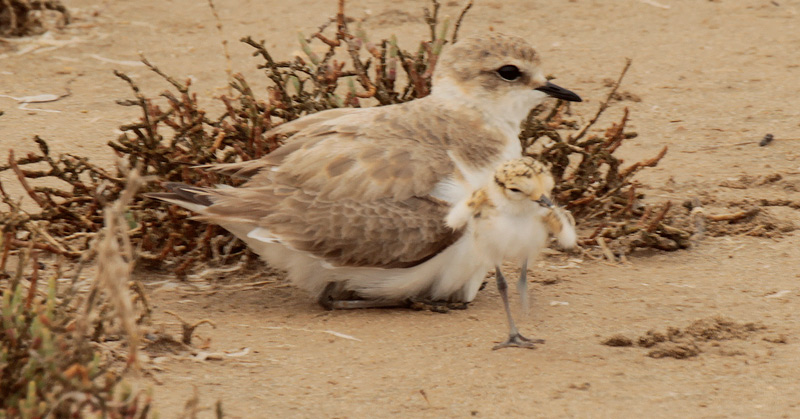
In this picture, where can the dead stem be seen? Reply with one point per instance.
(225, 50)
(180, 87)
(625, 173)
(23, 181)
(654, 223)
(188, 329)
(33, 279)
(459, 21)
(115, 260)
(734, 216)
(603, 105)
(432, 18)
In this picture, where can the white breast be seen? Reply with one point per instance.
(511, 235)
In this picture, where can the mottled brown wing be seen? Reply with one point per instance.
(345, 232)
(355, 189)
(318, 118)
(397, 152)
(247, 169)
(389, 152)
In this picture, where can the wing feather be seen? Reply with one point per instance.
(381, 233)
(395, 151)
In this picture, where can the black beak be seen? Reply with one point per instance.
(559, 92)
(545, 201)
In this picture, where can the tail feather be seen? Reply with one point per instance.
(187, 196)
(241, 170)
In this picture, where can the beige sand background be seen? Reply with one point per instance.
(713, 77)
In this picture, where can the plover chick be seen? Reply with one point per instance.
(512, 217)
(353, 205)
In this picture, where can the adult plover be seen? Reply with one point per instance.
(353, 205)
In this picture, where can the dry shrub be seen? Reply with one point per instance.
(30, 17)
(174, 136)
(54, 358)
(592, 182)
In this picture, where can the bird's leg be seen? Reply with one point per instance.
(514, 338)
(522, 288)
(327, 301)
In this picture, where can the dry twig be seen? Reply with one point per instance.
(603, 105)
(188, 329)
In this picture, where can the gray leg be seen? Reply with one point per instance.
(514, 338)
(522, 288)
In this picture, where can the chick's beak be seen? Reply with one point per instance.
(545, 201)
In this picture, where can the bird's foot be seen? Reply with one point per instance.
(421, 304)
(333, 300)
(518, 341)
(331, 304)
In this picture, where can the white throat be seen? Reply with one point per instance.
(506, 111)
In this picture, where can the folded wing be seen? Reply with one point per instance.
(381, 233)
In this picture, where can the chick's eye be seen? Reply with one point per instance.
(515, 190)
(509, 72)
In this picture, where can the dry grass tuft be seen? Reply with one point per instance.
(55, 358)
(115, 260)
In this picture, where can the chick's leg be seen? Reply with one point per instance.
(522, 288)
(514, 338)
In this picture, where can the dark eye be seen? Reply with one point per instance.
(515, 190)
(509, 72)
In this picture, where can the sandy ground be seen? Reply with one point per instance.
(713, 76)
